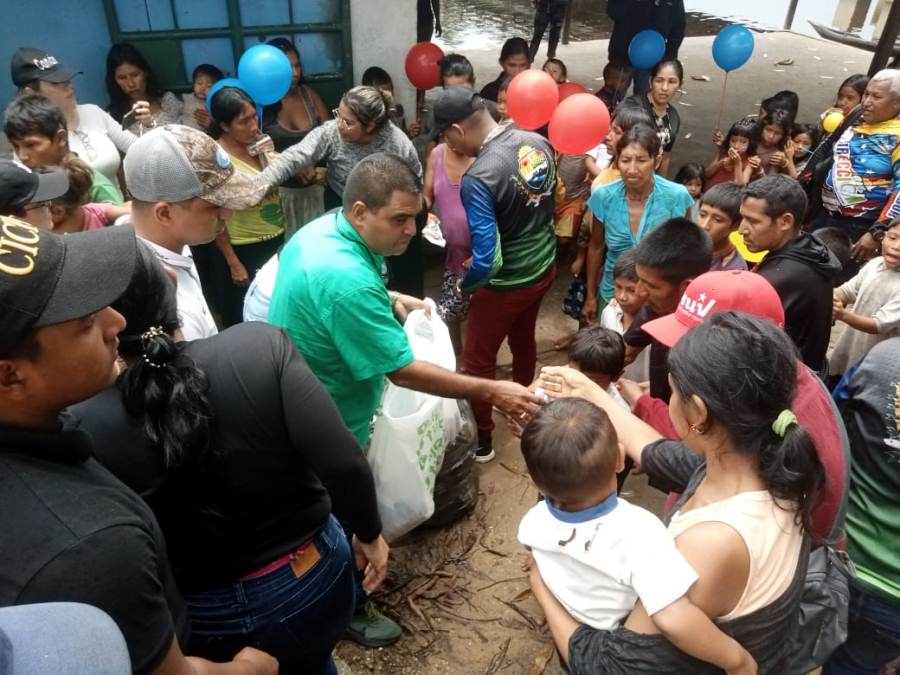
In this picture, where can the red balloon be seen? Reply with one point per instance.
(579, 123)
(567, 89)
(422, 67)
(531, 99)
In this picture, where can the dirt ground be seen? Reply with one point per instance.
(460, 592)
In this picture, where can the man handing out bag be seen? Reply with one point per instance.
(330, 298)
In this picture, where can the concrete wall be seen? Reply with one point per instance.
(383, 31)
(74, 32)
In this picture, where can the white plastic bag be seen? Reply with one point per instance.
(412, 430)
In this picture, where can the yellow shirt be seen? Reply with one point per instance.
(263, 221)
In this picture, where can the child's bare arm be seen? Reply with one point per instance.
(865, 324)
(689, 629)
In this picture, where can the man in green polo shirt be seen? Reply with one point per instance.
(330, 297)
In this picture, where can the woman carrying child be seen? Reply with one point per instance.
(744, 518)
(733, 158)
(194, 114)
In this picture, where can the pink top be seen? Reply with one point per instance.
(454, 223)
(96, 216)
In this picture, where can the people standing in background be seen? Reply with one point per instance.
(287, 123)
(557, 70)
(428, 20)
(616, 76)
(194, 113)
(547, 13)
(94, 136)
(693, 176)
(665, 81)
(362, 127)
(735, 155)
(515, 56)
(129, 80)
(252, 235)
(379, 78)
(630, 17)
(36, 128)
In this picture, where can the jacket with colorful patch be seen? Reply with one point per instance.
(864, 180)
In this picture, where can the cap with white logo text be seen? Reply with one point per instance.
(732, 290)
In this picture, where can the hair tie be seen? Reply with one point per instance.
(785, 419)
(146, 338)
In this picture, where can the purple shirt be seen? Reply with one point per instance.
(454, 223)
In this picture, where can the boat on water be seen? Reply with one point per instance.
(850, 39)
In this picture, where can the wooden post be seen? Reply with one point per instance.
(789, 19)
(885, 49)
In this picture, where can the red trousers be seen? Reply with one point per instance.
(497, 315)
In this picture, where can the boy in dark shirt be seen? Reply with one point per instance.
(720, 215)
(73, 532)
(666, 260)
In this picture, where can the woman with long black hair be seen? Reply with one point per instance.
(253, 235)
(744, 519)
(241, 454)
(130, 79)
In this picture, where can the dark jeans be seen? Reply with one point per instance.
(873, 639)
(548, 13)
(298, 620)
(495, 316)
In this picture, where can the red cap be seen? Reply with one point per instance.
(733, 290)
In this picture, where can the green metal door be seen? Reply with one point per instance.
(177, 35)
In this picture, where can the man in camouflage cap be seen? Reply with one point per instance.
(184, 186)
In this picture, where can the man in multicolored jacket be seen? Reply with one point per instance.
(508, 197)
(861, 193)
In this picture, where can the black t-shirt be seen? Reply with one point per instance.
(659, 353)
(280, 450)
(73, 532)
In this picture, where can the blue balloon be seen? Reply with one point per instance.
(221, 84)
(266, 73)
(732, 47)
(646, 49)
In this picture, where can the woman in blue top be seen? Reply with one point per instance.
(627, 209)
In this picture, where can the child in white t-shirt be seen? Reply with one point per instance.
(620, 312)
(597, 553)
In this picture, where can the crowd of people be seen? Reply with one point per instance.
(189, 377)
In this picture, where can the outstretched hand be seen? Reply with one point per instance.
(565, 382)
(518, 403)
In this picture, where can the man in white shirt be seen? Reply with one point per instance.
(184, 187)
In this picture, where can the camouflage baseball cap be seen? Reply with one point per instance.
(174, 163)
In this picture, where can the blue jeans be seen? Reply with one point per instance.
(298, 620)
(873, 638)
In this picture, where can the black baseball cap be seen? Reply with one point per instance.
(19, 186)
(47, 278)
(455, 104)
(29, 64)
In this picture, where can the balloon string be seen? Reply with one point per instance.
(722, 103)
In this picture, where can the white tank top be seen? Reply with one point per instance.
(772, 538)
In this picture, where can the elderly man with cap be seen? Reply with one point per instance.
(508, 197)
(183, 187)
(26, 194)
(72, 532)
(93, 135)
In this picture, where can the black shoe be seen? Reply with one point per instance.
(485, 450)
